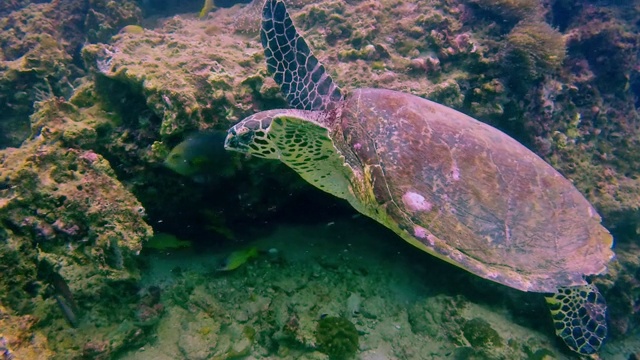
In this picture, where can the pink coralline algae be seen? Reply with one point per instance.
(69, 229)
(90, 156)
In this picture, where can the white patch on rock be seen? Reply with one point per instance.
(455, 171)
(416, 202)
(353, 304)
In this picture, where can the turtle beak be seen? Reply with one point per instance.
(231, 141)
(238, 139)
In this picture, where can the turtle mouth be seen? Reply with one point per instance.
(238, 140)
(231, 142)
(228, 142)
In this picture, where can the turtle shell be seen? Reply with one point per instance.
(470, 194)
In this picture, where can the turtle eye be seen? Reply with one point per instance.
(246, 137)
(243, 139)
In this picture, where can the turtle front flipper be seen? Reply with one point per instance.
(578, 314)
(302, 78)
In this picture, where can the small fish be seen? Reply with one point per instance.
(64, 298)
(132, 29)
(202, 157)
(208, 6)
(164, 241)
(68, 312)
(238, 258)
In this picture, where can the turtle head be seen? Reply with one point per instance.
(283, 134)
(249, 136)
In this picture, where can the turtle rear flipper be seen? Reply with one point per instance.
(578, 314)
(302, 78)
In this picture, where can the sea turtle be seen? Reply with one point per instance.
(448, 184)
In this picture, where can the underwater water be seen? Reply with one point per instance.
(129, 231)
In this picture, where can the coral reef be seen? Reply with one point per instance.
(39, 53)
(33, 66)
(70, 234)
(11, 5)
(274, 305)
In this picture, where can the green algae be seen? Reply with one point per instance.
(479, 333)
(337, 337)
(533, 50)
(511, 9)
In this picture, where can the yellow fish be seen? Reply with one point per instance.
(202, 157)
(164, 241)
(132, 29)
(208, 6)
(238, 258)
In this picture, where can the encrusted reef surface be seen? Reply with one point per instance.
(89, 113)
(40, 46)
(69, 229)
(70, 233)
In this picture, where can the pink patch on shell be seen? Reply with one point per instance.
(415, 202)
(422, 233)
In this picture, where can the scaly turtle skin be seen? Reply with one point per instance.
(450, 185)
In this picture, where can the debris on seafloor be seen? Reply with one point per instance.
(4, 350)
